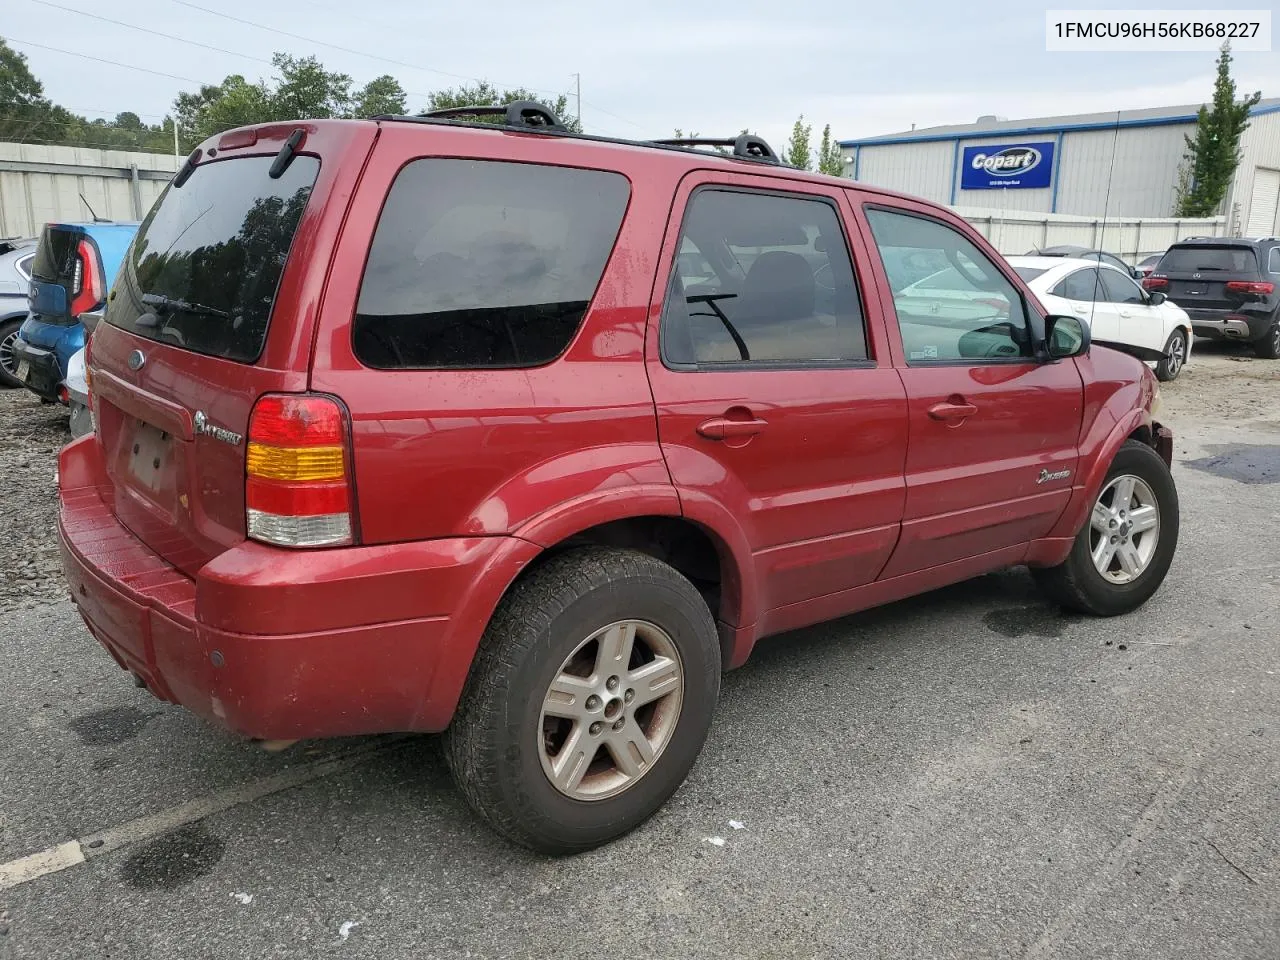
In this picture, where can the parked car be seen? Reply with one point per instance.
(1147, 264)
(78, 396)
(71, 272)
(1084, 253)
(15, 273)
(1117, 308)
(413, 425)
(1228, 288)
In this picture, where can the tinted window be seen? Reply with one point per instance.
(1082, 286)
(1117, 288)
(485, 264)
(1273, 261)
(781, 285)
(1028, 273)
(1196, 258)
(964, 310)
(55, 259)
(204, 267)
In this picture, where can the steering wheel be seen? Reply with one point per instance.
(828, 283)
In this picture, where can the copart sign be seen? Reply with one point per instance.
(1001, 166)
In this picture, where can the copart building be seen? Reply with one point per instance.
(1118, 164)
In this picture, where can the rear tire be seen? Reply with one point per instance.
(1175, 355)
(8, 363)
(542, 744)
(1268, 348)
(1112, 568)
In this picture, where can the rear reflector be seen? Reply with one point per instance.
(297, 488)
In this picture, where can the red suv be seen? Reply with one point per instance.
(425, 424)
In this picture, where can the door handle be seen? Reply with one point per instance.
(1080, 308)
(722, 428)
(952, 411)
(1126, 313)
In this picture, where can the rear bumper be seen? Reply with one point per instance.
(43, 375)
(1241, 324)
(283, 644)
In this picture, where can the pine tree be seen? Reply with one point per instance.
(799, 154)
(1214, 153)
(830, 156)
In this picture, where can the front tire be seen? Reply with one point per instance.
(589, 701)
(1122, 554)
(1268, 348)
(1175, 355)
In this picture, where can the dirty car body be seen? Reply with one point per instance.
(419, 400)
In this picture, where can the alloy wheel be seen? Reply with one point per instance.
(1177, 354)
(611, 710)
(7, 360)
(1124, 529)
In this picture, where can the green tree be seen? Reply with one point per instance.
(1214, 153)
(382, 96)
(305, 90)
(484, 93)
(798, 152)
(830, 156)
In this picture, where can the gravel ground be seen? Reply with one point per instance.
(967, 774)
(30, 435)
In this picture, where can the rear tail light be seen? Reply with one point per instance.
(297, 480)
(1154, 283)
(87, 288)
(1265, 287)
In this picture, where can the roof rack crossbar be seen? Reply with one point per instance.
(518, 113)
(747, 146)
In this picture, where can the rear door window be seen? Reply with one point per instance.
(781, 288)
(1082, 286)
(204, 267)
(1119, 289)
(485, 264)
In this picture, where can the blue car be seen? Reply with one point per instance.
(73, 268)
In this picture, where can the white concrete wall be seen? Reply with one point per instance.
(41, 183)
(1130, 238)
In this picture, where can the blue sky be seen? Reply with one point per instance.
(706, 65)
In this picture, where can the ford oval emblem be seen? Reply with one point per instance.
(136, 360)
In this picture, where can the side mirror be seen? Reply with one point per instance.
(1065, 336)
(1155, 298)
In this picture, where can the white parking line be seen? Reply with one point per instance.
(75, 852)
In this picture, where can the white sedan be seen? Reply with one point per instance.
(1118, 310)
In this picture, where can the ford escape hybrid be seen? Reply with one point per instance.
(427, 424)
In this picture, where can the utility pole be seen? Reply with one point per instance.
(175, 135)
(577, 80)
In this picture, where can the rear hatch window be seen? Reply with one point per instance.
(203, 271)
(58, 273)
(1199, 259)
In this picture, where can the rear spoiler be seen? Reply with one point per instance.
(1142, 353)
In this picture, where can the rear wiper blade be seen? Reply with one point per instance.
(169, 304)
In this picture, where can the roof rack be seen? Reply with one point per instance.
(745, 147)
(518, 113)
(536, 117)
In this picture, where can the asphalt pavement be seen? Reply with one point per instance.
(966, 774)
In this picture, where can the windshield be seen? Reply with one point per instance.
(1197, 259)
(203, 270)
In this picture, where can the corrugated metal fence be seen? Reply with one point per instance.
(39, 184)
(1014, 233)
